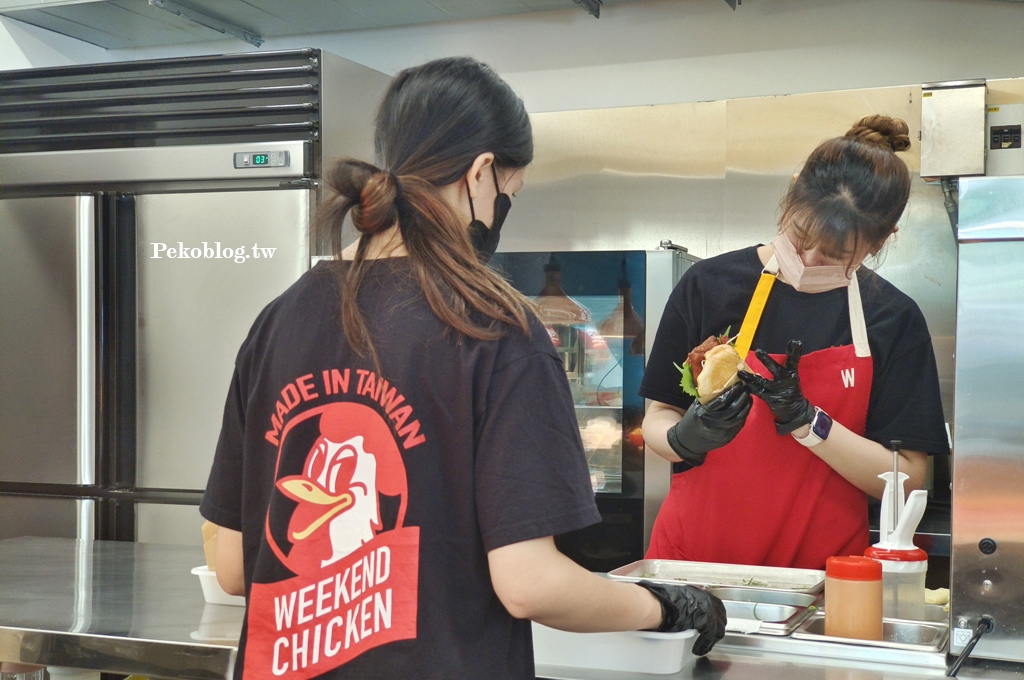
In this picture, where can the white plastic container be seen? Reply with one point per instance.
(212, 591)
(633, 651)
(904, 565)
(903, 577)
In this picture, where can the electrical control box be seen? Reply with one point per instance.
(953, 129)
(1005, 153)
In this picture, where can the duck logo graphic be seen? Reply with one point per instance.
(356, 570)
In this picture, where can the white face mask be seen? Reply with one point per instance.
(807, 279)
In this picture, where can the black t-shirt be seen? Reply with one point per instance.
(367, 504)
(714, 294)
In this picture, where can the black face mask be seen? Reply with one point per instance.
(485, 241)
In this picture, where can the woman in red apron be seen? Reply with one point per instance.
(782, 478)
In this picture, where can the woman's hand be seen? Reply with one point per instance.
(710, 426)
(782, 394)
(686, 608)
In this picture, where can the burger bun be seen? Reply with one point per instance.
(721, 364)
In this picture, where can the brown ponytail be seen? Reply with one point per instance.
(852, 190)
(434, 121)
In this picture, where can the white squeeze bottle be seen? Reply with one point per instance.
(904, 565)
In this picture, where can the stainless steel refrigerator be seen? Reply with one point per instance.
(148, 211)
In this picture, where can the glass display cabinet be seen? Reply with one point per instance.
(601, 310)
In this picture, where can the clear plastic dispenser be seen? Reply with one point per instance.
(904, 565)
(853, 598)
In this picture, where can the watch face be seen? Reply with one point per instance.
(821, 425)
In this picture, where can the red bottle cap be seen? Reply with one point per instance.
(915, 555)
(853, 568)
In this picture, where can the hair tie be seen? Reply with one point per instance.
(398, 186)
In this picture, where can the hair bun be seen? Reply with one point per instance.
(377, 209)
(891, 133)
(370, 192)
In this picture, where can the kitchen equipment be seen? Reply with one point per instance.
(601, 310)
(766, 612)
(672, 572)
(212, 591)
(631, 651)
(853, 598)
(987, 567)
(904, 565)
(920, 636)
(148, 211)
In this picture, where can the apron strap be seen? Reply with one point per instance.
(751, 320)
(756, 308)
(858, 327)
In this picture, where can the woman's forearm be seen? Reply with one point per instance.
(657, 422)
(860, 460)
(230, 571)
(535, 581)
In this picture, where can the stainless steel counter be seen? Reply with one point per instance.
(762, 657)
(136, 608)
(115, 607)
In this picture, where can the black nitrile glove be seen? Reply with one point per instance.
(710, 426)
(783, 394)
(689, 608)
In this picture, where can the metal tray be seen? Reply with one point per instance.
(711, 574)
(922, 636)
(802, 600)
(779, 612)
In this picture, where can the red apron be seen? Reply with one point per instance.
(765, 499)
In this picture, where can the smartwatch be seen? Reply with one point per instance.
(821, 425)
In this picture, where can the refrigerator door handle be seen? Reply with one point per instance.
(86, 274)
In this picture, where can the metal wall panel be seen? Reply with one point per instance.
(38, 341)
(988, 491)
(195, 313)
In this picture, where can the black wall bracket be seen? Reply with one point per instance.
(592, 6)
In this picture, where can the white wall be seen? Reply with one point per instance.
(664, 51)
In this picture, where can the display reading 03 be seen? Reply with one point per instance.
(262, 159)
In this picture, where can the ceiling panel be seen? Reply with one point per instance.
(117, 24)
(273, 17)
(471, 9)
(397, 12)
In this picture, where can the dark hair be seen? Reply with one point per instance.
(852, 190)
(433, 122)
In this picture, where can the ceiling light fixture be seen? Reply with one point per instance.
(208, 21)
(592, 6)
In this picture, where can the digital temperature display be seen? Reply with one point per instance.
(261, 159)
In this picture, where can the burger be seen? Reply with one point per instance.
(711, 368)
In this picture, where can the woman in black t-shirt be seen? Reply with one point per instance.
(843, 370)
(399, 444)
